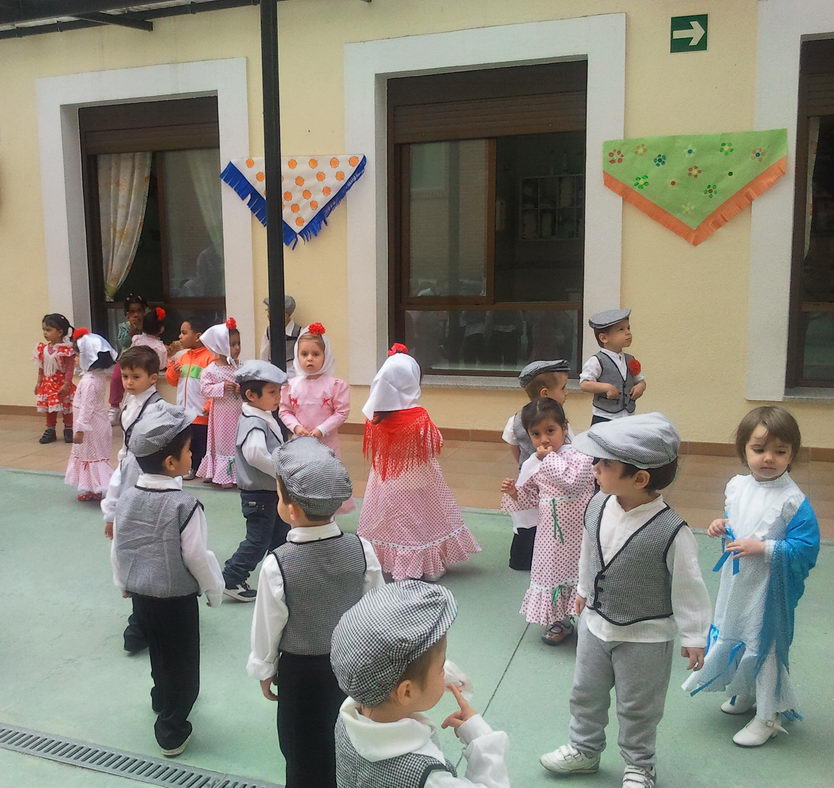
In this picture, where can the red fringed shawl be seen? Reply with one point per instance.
(401, 441)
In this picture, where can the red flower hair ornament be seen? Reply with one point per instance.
(634, 367)
(160, 313)
(316, 328)
(78, 333)
(397, 348)
(231, 324)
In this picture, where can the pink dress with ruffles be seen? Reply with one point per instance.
(89, 467)
(219, 461)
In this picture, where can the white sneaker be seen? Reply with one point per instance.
(758, 731)
(568, 760)
(637, 777)
(738, 704)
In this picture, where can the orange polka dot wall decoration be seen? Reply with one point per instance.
(312, 188)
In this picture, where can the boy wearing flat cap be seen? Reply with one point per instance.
(612, 376)
(304, 588)
(639, 585)
(160, 560)
(388, 655)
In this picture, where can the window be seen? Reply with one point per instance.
(487, 216)
(811, 348)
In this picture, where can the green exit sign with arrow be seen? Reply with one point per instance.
(689, 33)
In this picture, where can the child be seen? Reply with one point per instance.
(388, 655)
(323, 572)
(291, 333)
(258, 436)
(560, 482)
(135, 307)
(771, 531)
(161, 560)
(56, 364)
(89, 467)
(184, 372)
(638, 572)
(217, 383)
(153, 326)
(538, 379)
(409, 513)
(613, 377)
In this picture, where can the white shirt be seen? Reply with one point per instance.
(485, 750)
(690, 600)
(198, 559)
(253, 447)
(592, 369)
(271, 613)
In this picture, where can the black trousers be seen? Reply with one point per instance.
(308, 706)
(521, 549)
(199, 437)
(172, 628)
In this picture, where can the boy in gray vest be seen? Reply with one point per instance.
(612, 376)
(160, 560)
(258, 436)
(304, 588)
(389, 652)
(639, 585)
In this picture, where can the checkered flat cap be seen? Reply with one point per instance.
(261, 371)
(160, 424)
(606, 319)
(646, 441)
(540, 367)
(314, 477)
(383, 633)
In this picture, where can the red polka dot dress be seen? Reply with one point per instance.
(57, 363)
(219, 461)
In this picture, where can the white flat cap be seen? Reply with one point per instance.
(261, 371)
(160, 424)
(645, 441)
(602, 320)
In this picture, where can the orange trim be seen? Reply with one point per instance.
(718, 218)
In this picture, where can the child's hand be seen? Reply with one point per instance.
(465, 713)
(316, 433)
(108, 530)
(612, 392)
(78, 437)
(64, 389)
(717, 527)
(637, 390)
(580, 604)
(741, 548)
(695, 656)
(266, 687)
(229, 385)
(543, 451)
(126, 594)
(508, 487)
(35, 392)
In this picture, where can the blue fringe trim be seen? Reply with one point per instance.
(233, 177)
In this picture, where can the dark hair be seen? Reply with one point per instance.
(153, 463)
(57, 320)
(778, 422)
(255, 386)
(287, 498)
(543, 380)
(599, 331)
(151, 324)
(133, 298)
(659, 478)
(140, 357)
(104, 360)
(543, 408)
(198, 323)
(418, 669)
(233, 331)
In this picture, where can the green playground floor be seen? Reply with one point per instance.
(64, 671)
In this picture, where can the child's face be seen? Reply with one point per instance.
(136, 380)
(188, 337)
(134, 315)
(547, 432)
(179, 466)
(234, 345)
(611, 481)
(51, 334)
(428, 695)
(269, 399)
(617, 337)
(310, 356)
(767, 456)
(559, 389)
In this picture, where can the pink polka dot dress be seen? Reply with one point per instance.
(219, 462)
(89, 467)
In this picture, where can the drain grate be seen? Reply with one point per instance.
(129, 765)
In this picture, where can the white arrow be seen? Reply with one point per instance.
(696, 33)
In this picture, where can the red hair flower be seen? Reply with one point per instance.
(231, 324)
(79, 332)
(397, 347)
(160, 313)
(634, 367)
(316, 328)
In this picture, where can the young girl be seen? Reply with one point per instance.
(217, 383)
(56, 364)
(153, 326)
(559, 481)
(409, 513)
(135, 307)
(770, 541)
(89, 467)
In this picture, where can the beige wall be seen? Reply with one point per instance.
(689, 303)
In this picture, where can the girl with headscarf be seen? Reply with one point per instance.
(409, 513)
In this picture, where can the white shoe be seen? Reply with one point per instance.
(434, 578)
(568, 760)
(738, 704)
(173, 752)
(638, 777)
(758, 731)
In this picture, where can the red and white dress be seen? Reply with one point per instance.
(57, 363)
(219, 462)
(561, 489)
(409, 513)
(89, 467)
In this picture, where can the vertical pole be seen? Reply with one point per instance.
(272, 170)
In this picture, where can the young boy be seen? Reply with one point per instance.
(388, 655)
(639, 584)
(314, 578)
(184, 371)
(613, 377)
(538, 379)
(160, 560)
(258, 435)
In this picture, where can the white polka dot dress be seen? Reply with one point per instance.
(219, 462)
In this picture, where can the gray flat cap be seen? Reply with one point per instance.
(540, 367)
(289, 303)
(160, 424)
(383, 633)
(646, 441)
(314, 477)
(260, 370)
(605, 319)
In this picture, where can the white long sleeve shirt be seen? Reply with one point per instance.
(271, 613)
(198, 559)
(690, 600)
(592, 369)
(253, 447)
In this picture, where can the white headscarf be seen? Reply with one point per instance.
(216, 339)
(89, 346)
(395, 387)
(329, 360)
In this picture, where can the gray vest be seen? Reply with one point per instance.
(321, 581)
(611, 374)
(635, 584)
(403, 771)
(149, 524)
(525, 445)
(249, 478)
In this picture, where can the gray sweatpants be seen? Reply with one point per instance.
(640, 674)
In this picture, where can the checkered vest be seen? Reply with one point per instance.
(525, 445)
(610, 373)
(248, 477)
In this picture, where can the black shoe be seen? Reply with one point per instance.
(67, 434)
(241, 592)
(48, 436)
(135, 645)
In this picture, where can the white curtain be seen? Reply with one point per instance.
(204, 166)
(813, 142)
(123, 180)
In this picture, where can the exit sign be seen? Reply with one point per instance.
(689, 33)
